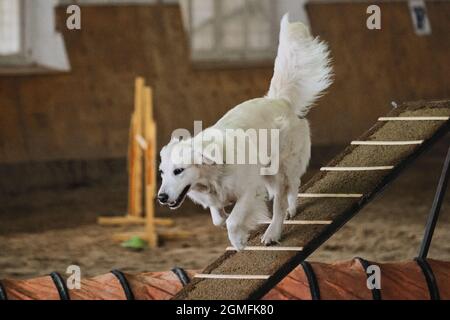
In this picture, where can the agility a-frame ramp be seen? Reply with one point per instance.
(326, 203)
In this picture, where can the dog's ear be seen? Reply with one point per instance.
(174, 139)
(207, 153)
(208, 160)
(179, 135)
(203, 158)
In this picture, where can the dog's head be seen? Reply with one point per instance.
(180, 170)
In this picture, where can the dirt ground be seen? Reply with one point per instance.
(48, 230)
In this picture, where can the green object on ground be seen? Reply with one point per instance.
(135, 242)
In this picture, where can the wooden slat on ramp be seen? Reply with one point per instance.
(272, 265)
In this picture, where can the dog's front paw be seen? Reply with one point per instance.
(291, 213)
(219, 221)
(238, 237)
(238, 241)
(271, 236)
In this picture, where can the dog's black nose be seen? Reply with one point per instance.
(163, 197)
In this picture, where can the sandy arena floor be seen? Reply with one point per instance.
(46, 231)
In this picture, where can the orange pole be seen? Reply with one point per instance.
(150, 168)
(135, 165)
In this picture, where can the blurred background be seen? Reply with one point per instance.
(67, 95)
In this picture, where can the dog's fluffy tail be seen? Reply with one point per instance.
(302, 67)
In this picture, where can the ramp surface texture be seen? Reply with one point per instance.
(275, 265)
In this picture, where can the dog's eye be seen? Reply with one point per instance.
(178, 171)
(161, 172)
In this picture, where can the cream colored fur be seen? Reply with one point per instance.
(302, 71)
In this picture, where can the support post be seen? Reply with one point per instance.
(435, 208)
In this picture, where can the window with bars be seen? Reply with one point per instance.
(236, 32)
(232, 31)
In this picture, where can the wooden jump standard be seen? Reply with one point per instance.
(142, 150)
(365, 168)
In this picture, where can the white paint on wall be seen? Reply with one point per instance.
(46, 46)
(42, 48)
(9, 27)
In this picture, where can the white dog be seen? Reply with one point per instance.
(302, 72)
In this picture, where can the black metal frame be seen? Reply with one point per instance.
(376, 293)
(433, 217)
(3, 295)
(427, 271)
(435, 208)
(312, 280)
(124, 283)
(182, 275)
(60, 285)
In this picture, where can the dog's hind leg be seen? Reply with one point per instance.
(292, 202)
(297, 167)
(280, 205)
(292, 194)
